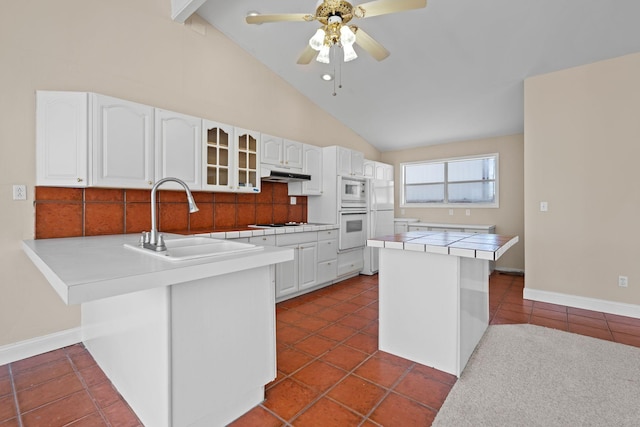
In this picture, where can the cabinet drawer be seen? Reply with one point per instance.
(327, 250)
(327, 271)
(296, 238)
(350, 262)
(263, 240)
(328, 234)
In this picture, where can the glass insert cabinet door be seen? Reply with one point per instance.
(247, 173)
(218, 156)
(232, 158)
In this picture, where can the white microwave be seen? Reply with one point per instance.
(353, 192)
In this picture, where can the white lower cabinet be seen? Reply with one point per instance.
(327, 256)
(315, 262)
(301, 273)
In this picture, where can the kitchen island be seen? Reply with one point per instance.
(434, 294)
(186, 343)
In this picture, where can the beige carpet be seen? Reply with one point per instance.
(526, 375)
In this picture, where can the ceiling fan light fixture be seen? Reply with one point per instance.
(347, 36)
(327, 77)
(317, 41)
(349, 53)
(323, 56)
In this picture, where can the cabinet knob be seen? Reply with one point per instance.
(150, 182)
(79, 179)
(287, 162)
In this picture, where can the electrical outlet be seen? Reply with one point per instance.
(468, 212)
(623, 281)
(292, 200)
(450, 211)
(19, 192)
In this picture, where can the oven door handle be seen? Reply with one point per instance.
(353, 213)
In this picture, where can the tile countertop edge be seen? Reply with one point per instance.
(252, 232)
(109, 283)
(406, 244)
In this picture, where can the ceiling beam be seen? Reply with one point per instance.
(183, 9)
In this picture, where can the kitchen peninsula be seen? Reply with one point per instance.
(186, 343)
(434, 294)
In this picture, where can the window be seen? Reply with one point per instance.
(451, 182)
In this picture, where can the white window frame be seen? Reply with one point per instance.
(495, 204)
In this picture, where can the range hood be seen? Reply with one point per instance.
(282, 175)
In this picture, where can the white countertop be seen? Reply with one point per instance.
(83, 269)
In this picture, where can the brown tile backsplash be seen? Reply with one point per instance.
(73, 212)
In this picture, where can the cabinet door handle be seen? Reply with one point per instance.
(79, 179)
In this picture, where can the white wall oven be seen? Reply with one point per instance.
(353, 229)
(353, 193)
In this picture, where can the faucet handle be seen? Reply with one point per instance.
(160, 246)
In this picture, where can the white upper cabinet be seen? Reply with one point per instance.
(123, 143)
(369, 169)
(62, 139)
(247, 156)
(311, 165)
(282, 153)
(378, 170)
(230, 158)
(218, 156)
(178, 148)
(86, 139)
(350, 162)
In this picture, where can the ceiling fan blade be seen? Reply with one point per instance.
(367, 42)
(383, 7)
(260, 19)
(307, 55)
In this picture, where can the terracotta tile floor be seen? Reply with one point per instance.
(329, 371)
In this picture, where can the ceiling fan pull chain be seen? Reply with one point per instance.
(333, 51)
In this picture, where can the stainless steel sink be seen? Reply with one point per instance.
(182, 249)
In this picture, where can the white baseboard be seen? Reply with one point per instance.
(23, 349)
(593, 304)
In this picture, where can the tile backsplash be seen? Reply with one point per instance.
(73, 212)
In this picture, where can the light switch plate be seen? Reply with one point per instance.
(292, 200)
(544, 206)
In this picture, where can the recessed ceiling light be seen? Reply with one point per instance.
(326, 77)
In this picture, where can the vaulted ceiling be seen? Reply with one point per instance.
(456, 68)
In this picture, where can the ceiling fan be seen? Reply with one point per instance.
(334, 16)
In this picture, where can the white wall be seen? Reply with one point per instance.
(129, 49)
(582, 145)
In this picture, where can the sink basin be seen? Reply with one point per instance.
(182, 249)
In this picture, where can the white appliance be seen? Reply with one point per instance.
(353, 193)
(380, 219)
(353, 229)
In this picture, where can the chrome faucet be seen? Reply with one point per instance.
(154, 240)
